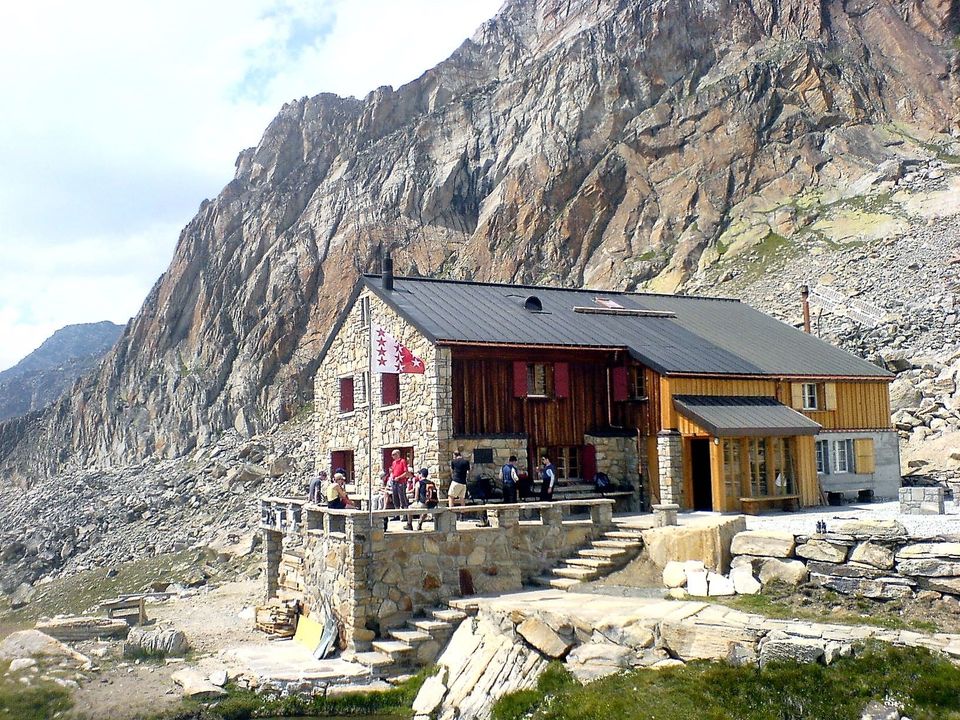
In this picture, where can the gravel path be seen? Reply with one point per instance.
(924, 526)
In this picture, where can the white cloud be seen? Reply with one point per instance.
(120, 116)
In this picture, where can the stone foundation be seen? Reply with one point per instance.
(670, 457)
(921, 501)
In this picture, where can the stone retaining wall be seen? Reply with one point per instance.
(874, 559)
(374, 580)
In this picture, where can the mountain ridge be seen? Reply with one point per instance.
(623, 144)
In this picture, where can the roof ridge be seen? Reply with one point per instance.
(604, 291)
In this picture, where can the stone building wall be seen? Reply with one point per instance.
(374, 580)
(503, 447)
(616, 456)
(884, 481)
(422, 420)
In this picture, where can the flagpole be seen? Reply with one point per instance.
(370, 414)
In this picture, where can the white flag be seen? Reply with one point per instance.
(390, 356)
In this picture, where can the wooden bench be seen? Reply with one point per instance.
(755, 505)
(127, 608)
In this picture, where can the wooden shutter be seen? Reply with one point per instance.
(621, 384)
(589, 454)
(519, 379)
(346, 394)
(390, 389)
(796, 396)
(561, 380)
(830, 396)
(865, 459)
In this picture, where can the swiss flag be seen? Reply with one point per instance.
(390, 356)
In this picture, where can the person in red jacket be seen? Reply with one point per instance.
(399, 474)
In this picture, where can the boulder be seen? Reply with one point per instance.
(904, 395)
(80, 628)
(674, 574)
(707, 542)
(543, 638)
(743, 581)
(786, 649)
(697, 583)
(702, 641)
(925, 551)
(872, 554)
(822, 550)
(719, 585)
(878, 711)
(22, 664)
(765, 543)
(35, 644)
(218, 678)
(23, 594)
(195, 685)
(431, 694)
(928, 568)
(159, 642)
(789, 572)
(593, 661)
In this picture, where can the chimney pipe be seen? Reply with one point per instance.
(387, 272)
(805, 302)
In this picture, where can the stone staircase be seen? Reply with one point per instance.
(613, 551)
(410, 647)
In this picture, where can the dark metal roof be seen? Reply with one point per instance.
(737, 416)
(676, 334)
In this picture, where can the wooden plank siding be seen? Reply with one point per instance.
(484, 403)
(670, 386)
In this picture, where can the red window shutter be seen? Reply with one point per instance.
(621, 385)
(589, 462)
(561, 380)
(346, 394)
(390, 389)
(338, 459)
(519, 379)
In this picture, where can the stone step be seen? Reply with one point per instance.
(394, 648)
(592, 562)
(434, 627)
(623, 535)
(448, 615)
(411, 637)
(622, 544)
(555, 582)
(465, 605)
(372, 659)
(611, 554)
(576, 573)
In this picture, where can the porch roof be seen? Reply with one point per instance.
(741, 416)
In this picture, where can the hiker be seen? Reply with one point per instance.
(337, 498)
(426, 494)
(459, 469)
(399, 474)
(510, 479)
(317, 487)
(548, 479)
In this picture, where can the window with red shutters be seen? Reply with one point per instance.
(389, 389)
(346, 394)
(561, 380)
(519, 379)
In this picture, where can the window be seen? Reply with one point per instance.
(389, 389)
(823, 457)
(782, 457)
(361, 383)
(732, 469)
(637, 389)
(342, 459)
(364, 319)
(346, 394)
(843, 456)
(536, 380)
(567, 459)
(810, 396)
(757, 461)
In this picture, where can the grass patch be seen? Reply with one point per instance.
(245, 704)
(784, 603)
(925, 685)
(40, 701)
(554, 681)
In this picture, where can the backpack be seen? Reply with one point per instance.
(506, 474)
(602, 481)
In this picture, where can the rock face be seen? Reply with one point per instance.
(605, 143)
(43, 375)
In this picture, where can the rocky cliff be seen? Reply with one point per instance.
(46, 373)
(605, 142)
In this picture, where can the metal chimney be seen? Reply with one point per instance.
(805, 302)
(387, 273)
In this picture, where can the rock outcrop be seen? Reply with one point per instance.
(609, 143)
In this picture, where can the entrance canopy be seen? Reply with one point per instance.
(744, 416)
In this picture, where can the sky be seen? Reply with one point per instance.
(119, 117)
